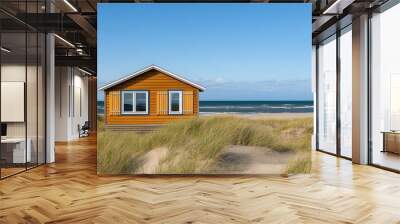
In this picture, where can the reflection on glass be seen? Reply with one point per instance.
(140, 102)
(327, 95)
(128, 102)
(175, 98)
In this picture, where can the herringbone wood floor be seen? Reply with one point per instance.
(69, 191)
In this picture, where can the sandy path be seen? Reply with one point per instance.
(152, 159)
(252, 160)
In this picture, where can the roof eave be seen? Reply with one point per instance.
(112, 84)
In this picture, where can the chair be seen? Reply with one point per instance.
(84, 130)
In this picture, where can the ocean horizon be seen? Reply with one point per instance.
(246, 107)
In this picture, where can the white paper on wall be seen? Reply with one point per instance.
(12, 101)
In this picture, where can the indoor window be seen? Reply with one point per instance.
(134, 102)
(175, 102)
(345, 93)
(327, 95)
(385, 89)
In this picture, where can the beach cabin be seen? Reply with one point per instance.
(149, 97)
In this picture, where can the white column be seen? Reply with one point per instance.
(360, 90)
(50, 101)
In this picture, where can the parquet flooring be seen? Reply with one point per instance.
(70, 191)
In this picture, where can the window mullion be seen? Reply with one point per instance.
(180, 102)
(134, 102)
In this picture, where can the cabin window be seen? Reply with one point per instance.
(135, 102)
(175, 102)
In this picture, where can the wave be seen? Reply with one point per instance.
(255, 107)
(232, 107)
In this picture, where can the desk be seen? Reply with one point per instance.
(13, 150)
(391, 141)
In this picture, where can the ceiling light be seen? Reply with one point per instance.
(65, 41)
(79, 51)
(5, 50)
(84, 71)
(70, 5)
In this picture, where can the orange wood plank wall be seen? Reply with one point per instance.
(158, 85)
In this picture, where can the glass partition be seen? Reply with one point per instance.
(22, 78)
(385, 89)
(327, 95)
(346, 92)
(13, 94)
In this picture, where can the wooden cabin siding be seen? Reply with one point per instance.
(156, 83)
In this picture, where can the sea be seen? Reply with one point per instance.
(246, 107)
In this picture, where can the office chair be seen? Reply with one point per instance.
(84, 130)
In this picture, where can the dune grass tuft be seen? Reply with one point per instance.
(194, 145)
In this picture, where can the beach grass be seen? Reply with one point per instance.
(194, 145)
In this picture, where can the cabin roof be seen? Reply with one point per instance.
(142, 71)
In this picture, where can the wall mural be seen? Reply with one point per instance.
(204, 89)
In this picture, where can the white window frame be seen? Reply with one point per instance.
(180, 101)
(134, 92)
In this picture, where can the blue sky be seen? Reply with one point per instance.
(237, 51)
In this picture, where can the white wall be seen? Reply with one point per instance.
(10, 73)
(62, 81)
(80, 109)
(71, 102)
(17, 73)
(33, 126)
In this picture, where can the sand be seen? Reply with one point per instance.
(152, 160)
(234, 159)
(239, 159)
